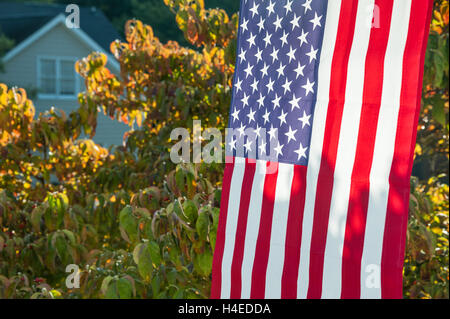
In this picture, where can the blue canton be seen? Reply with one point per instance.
(275, 82)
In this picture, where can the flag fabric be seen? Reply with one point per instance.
(323, 120)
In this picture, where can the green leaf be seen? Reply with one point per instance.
(155, 253)
(202, 224)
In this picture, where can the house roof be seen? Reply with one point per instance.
(19, 21)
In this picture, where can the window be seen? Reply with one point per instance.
(57, 78)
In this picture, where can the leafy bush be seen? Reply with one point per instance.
(136, 224)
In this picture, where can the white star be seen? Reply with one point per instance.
(291, 135)
(232, 143)
(305, 120)
(238, 85)
(287, 86)
(281, 69)
(316, 21)
(261, 100)
(248, 145)
(274, 55)
(244, 100)
(270, 85)
(282, 118)
(308, 87)
(261, 24)
(242, 55)
(235, 115)
(264, 70)
(291, 54)
(266, 116)
(270, 8)
(244, 25)
(262, 147)
(258, 130)
(249, 69)
(277, 23)
(294, 22)
(251, 40)
(267, 38)
(284, 38)
(301, 151)
(288, 6)
(307, 5)
(279, 149)
(251, 116)
(258, 55)
(294, 102)
(302, 38)
(273, 132)
(276, 101)
(299, 70)
(312, 54)
(241, 130)
(254, 85)
(254, 10)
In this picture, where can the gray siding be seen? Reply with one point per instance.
(21, 71)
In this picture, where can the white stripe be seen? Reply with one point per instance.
(278, 233)
(384, 151)
(251, 235)
(318, 131)
(231, 225)
(348, 140)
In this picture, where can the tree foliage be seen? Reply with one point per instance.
(138, 225)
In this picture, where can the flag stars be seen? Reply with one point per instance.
(266, 116)
(301, 152)
(279, 149)
(235, 115)
(316, 21)
(291, 135)
(277, 23)
(282, 118)
(251, 116)
(270, 86)
(232, 143)
(244, 25)
(267, 39)
(291, 54)
(255, 85)
(261, 100)
(288, 6)
(287, 86)
(302, 38)
(244, 100)
(284, 38)
(248, 70)
(280, 70)
(273, 132)
(262, 148)
(294, 22)
(241, 130)
(261, 24)
(270, 8)
(308, 87)
(276, 101)
(238, 85)
(242, 55)
(299, 70)
(251, 40)
(254, 9)
(305, 120)
(248, 145)
(307, 5)
(258, 55)
(274, 55)
(312, 54)
(294, 102)
(265, 70)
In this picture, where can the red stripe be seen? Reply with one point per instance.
(263, 241)
(338, 84)
(360, 185)
(294, 234)
(236, 267)
(220, 239)
(399, 179)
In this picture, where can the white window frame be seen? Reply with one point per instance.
(58, 95)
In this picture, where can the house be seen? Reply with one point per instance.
(45, 51)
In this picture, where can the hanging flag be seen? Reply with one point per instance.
(323, 121)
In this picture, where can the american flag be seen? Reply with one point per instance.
(322, 123)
